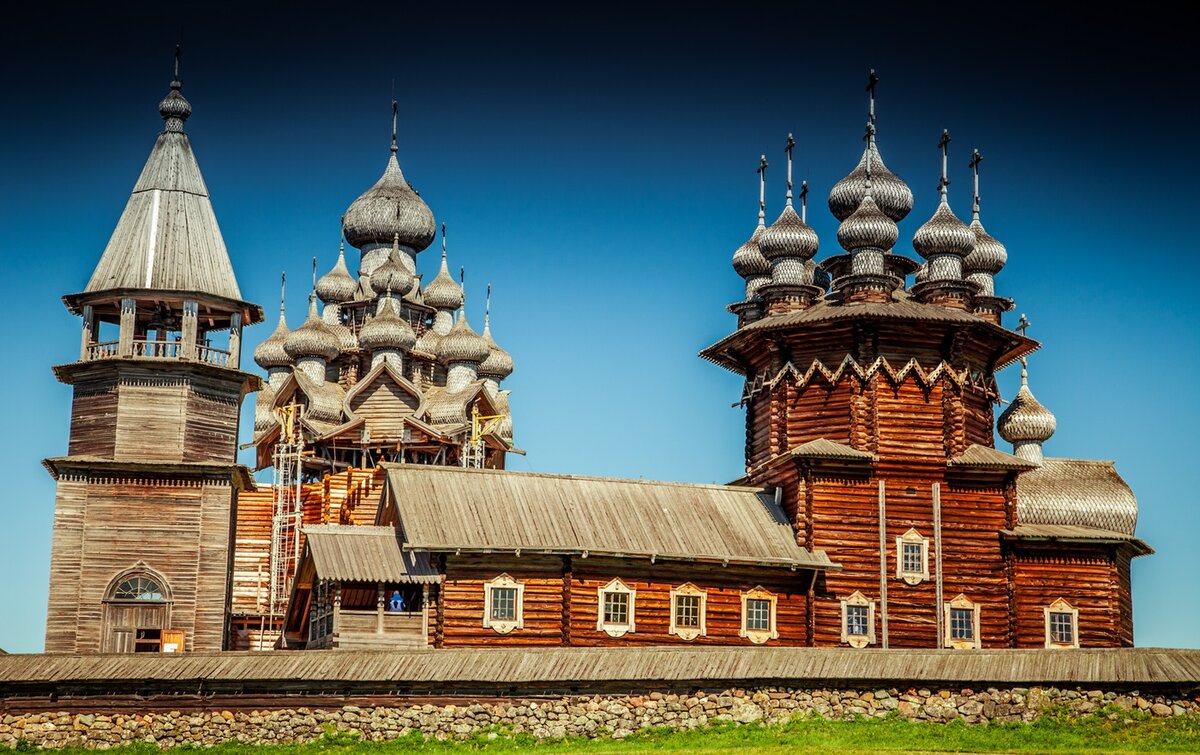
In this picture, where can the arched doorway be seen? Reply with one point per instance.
(137, 608)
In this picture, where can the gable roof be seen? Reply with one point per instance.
(1076, 492)
(167, 237)
(983, 457)
(365, 554)
(448, 509)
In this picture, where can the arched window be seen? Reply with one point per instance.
(138, 588)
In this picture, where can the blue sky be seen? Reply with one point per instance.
(599, 172)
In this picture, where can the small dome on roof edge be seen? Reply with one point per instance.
(387, 329)
(337, 286)
(892, 195)
(988, 256)
(390, 209)
(270, 353)
(788, 236)
(867, 227)
(748, 259)
(944, 233)
(499, 363)
(313, 338)
(1025, 419)
(462, 344)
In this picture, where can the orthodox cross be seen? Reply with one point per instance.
(282, 289)
(762, 185)
(872, 82)
(314, 274)
(1023, 325)
(944, 146)
(487, 307)
(395, 113)
(804, 201)
(443, 242)
(976, 158)
(791, 144)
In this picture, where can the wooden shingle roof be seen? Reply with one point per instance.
(1076, 492)
(365, 554)
(448, 509)
(167, 238)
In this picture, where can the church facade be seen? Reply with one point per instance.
(875, 510)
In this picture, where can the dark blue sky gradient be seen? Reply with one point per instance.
(596, 165)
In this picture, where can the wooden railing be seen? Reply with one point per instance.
(147, 349)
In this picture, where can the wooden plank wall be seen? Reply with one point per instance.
(554, 618)
(381, 405)
(1086, 577)
(93, 407)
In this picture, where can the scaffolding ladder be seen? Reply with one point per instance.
(286, 511)
(474, 449)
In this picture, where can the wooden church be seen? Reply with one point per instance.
(875, 510)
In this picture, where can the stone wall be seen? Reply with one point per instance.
(598, 716)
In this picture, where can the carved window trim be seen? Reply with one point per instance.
(688, 632)
(615, 628)
(858, 640)
(503, 625)
(910, 576)
(961, 603)
(759, 636)
(1062, 608)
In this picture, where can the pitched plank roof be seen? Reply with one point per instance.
(365, 554)
(469, 669)
(982, 457)
(1076, 492)
(167, 238)
(445, 509)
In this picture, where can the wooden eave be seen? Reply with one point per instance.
(818, 563)
(982, 461)
(251, 313)
(816, 452)
(238, 474)
(1073, 534)
(72, 371)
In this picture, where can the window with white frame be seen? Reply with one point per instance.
(858, 621)
(615, 608)
(503, 604)
(688, 606)
(961, 619)
(912, 557)
(1062, 625)
(758, 615)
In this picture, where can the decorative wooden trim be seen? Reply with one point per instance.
(610, 628)
(917, 577)
(1062, 606)
(759, 636)
(858, 640)
(504, 626)
(689, 633)
(961, 602)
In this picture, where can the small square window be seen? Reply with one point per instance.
(687, 611)
(856, 621)
(962, 624)
(504, 603)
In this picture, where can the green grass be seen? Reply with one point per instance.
(1110, 731)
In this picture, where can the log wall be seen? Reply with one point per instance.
(1086, 577)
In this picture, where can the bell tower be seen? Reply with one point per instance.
(146, 494)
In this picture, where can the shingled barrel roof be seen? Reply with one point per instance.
(447, 509)
(1076, 492)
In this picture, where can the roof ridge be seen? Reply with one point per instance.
(668, 483)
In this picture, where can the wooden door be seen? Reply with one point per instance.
(125, 621)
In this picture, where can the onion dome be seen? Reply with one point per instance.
(443, 292)
(868, 227)
(313, 338)
(175, 108)
(337, 285)
(390, 209)
(788, 236)
(392, 275)
(1025, 420)
(989, 254)
(462, 344)
(944, 233)
(748, 260)
(332, 317)
(270, 353)
(428, 341)
(892, 195)
(387, 329)
(499, 363)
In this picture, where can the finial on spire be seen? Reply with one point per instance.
(804, 201)
(282, 290)
(868, 137)
(791, 144)
(872, 82)
(762, 189)
(976, 158)
(944, 146)
(395, 115)
(462, 283)
(443, 242)
(1022, 326)
(176, 82)
(487, 307)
